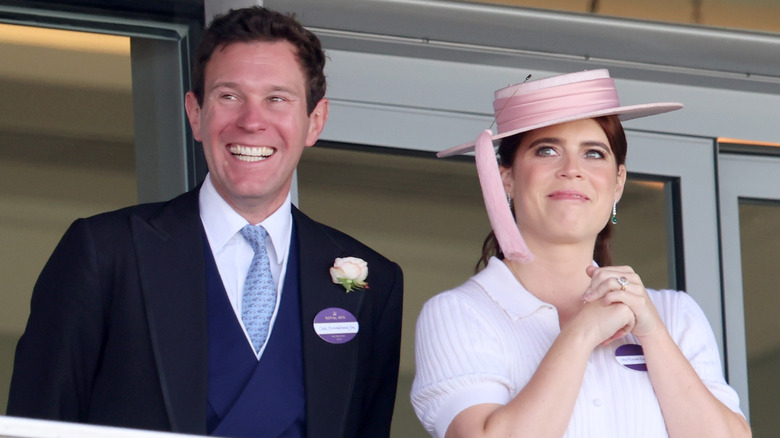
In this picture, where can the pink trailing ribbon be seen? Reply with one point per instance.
(504, 226)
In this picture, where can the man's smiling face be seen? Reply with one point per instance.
(253, 123)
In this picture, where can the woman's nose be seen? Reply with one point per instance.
(570, 167)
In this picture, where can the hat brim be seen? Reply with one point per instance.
(624, 113)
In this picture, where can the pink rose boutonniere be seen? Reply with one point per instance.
(350, 272)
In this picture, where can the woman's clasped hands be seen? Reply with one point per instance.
(618, 288)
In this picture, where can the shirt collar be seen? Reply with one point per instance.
(222, 223)
(503, 288)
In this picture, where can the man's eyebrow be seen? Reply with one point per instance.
(272, 89)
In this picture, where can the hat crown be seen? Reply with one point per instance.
(549, 82)
(551, 99)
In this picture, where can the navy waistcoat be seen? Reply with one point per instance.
(247, 397)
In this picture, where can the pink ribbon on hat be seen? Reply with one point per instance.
(504, 226)
(540, 106)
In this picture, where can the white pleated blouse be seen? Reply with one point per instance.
(482, 341)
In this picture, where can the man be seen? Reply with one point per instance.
(138, 318)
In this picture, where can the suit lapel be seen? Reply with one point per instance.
(171, 271)
(330, 369)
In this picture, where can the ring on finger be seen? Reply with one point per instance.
(623, 282)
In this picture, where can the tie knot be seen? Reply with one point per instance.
(255, 236)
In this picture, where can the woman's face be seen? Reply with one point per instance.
(563, 181)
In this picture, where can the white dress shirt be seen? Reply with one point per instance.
(233, 254)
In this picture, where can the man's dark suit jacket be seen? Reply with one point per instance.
(117, 333)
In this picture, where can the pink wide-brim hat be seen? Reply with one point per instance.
(559, 99)
(537, 104)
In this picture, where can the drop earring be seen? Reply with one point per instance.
(614, 213)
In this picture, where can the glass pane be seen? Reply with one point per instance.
(759, 224)
(66, 151)
(642, 235)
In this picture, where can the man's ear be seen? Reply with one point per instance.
(192, 108)
(317, 120)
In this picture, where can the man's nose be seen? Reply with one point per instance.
(252, 117)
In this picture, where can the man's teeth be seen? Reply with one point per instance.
(247, 153)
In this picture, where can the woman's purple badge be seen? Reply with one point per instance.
(631, 356)
(336, 325)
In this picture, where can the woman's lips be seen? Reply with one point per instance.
(568, 194)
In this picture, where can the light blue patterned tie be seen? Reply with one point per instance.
(259, 300)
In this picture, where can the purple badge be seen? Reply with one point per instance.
(631, 356)
(335, 325)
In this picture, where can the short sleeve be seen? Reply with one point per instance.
(693, 334)
(459, 360)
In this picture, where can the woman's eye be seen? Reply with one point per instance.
(594, 153)
(546, 151)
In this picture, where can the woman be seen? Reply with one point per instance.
(560, 343)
